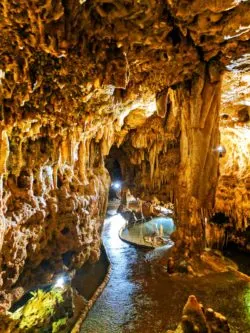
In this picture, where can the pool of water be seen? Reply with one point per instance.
(142, 298)
(158, 223)
(144, 233)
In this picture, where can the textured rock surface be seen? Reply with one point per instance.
(51, 210)
(76, 78)
(196, 319)
(178, 153)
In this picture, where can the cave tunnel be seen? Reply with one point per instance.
(142, 107)
(114, 168)
(220, 218)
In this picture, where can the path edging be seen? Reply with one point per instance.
(91, 302)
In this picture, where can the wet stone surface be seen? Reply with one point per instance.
(142, 297)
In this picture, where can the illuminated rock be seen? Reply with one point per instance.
(143, 77)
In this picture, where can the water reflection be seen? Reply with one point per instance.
(114, 307)
(142, 297)
(153, 233)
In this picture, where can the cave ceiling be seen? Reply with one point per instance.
(77, 76)
(71, 62)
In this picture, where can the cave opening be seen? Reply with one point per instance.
(114, 168)
(147, 223)
(220, 218)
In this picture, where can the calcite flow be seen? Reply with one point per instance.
(144, 78)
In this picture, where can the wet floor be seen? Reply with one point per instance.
(142, 298)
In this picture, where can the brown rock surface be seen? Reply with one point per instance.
(78, 77)
(196, 319)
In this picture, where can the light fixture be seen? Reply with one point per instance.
(221, 150)
(116, 185)
(60, 282)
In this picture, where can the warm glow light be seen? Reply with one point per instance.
(238, 150)
(151, 107)
(245, 102)
(2, 75)
(60, 282)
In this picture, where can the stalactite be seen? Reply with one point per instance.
(107, 139)
(68, 82)
(152, 159)
(82, 161)
(56, 187)
(215, 236)
(4, 152)
(162, 104)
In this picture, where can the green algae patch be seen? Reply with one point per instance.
(58, 325)
(45, 312)
(247, 302)
(39, 310)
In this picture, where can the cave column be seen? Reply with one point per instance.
(198, 101)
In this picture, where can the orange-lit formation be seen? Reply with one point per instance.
(162, 89)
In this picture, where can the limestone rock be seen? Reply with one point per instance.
(144, 78)
(196, 319)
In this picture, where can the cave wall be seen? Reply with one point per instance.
(53, 201)
(173, 154)
(77, 77)
(153, 148)
(233, 192)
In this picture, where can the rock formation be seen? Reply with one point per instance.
(196, 319)
(78, 77)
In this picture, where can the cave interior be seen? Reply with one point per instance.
(151, 95)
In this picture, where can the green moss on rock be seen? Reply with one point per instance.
(45, 312)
